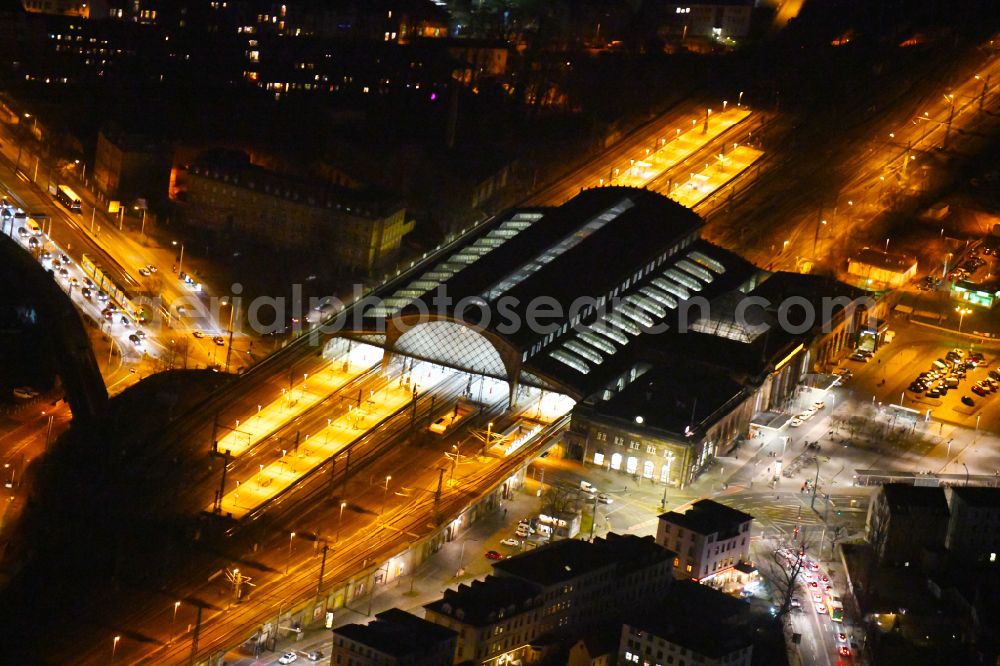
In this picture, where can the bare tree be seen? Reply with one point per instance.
(835, 534)
(782, 569)
(561, 498)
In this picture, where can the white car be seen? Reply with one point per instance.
(604, 499)
(819, 404)
(510, 541)
(796, 421)
(287, 658)
(526, 527)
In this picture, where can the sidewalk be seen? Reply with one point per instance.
(427, 583)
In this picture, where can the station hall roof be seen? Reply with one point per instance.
(607, 268)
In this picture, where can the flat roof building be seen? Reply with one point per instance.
(394, 638)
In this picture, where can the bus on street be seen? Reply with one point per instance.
(68, 198)
(836, 609)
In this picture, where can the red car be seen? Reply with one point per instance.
(493, 555)
(813, 583)
(979, 390)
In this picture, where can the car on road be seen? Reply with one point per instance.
(857, 358)
(141, 333)
(813, 583)
(510, 541)
(979, 390)
(796, 421)
(135, 339)
(818, 597)
(85, 292)
(151, 268)
(966, 400)
(796, 603)
(143, 272)
(198, 334)
(493, 555)
(315, 655)
(844, 651)
(102, 295)
(933, 393)
(525, 525)
(25, 393)
(219, 340)
(124, 321)
(22, 232)
(181, 310)
(842, 638)
(287, 658)
(821, 609)
(844, 373)
(63, 273)
(604, 499)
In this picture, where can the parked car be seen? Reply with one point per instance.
(198, 334)
(493, 555)
(135, 339)
(510, 541)
(604, 499)
(966, 400)
(219, 340)
(287, 658)
(979, 390)
(527, 526)
(85, 292)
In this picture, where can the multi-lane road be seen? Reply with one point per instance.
(121, 252)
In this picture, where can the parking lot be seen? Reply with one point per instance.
(927, 369)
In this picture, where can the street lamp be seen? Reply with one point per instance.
(180, 261)
(961, 315)
(385, 492)
(966, 473)
(114, 648)
(340, 521)
(291, 535)
(142, 229)
(177, 605)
